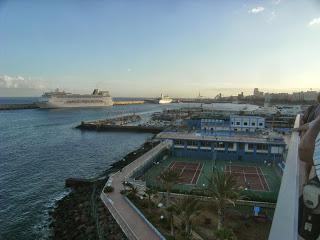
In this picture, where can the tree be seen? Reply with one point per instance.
(169, 178)
(222, 188)
(171, 210)
(132, 191)
(149, 192)
(188, 208)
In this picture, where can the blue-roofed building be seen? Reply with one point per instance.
(236, 147)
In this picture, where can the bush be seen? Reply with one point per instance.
(123, 192)
(108, 189)
(225, 234)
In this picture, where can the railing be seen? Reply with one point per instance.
(161, 237)
(119, 219)
(285, 220)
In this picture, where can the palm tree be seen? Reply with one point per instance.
(133, 191)
(169, 178)
(171, 210)
(222, 188)
(188, 208)
(149, 192)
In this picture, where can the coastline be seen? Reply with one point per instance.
(81, 213)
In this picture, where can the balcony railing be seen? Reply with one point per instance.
(285, 220)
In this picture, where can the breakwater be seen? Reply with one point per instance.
(128, 102)
(18, 106)
(21, 106)
(81, 214)
(97, 126)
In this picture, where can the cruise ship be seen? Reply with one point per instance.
(62, 99)
(164, 99)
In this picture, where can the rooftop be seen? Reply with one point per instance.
(245, 138)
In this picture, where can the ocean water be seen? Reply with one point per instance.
(39, 149)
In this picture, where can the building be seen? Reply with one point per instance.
(257, 93)
(246, 123)
(253, 148)
(235, 123)
(308, 96)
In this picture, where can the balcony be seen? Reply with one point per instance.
(285, 221)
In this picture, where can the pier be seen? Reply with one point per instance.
(128, 102)
(98, 126)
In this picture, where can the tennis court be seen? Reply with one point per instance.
(189, 172)
(248, 177)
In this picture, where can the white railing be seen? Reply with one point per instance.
(285, 220)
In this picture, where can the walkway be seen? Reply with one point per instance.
(132, 224)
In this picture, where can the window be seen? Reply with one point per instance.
(221, 145)
(241, 146)
(205, 144)
(253, 124)
(178, 142)
(250, 146)
(238, 123)
(230, 145)
(193, 143)
(262, 147)
(260, 124)
(245, 124)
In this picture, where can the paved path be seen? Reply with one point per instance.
(129, 220)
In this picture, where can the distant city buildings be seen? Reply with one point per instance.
(257, 93)
(307, 96)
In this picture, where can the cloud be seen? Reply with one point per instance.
(20, 82)
(256, 10)
(271, 16)
(314, 22)
(276, 2)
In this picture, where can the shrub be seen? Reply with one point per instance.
(108, 189)
(225, 234)
(123, 192)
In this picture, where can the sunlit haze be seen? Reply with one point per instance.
(143, 48)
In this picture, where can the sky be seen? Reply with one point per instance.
(141, 48)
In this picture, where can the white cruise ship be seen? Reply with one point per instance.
(61, 99)
(164, 99)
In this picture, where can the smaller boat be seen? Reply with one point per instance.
(164, 99)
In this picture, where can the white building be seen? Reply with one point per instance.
(246, 123)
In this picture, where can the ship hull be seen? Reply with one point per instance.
(165, 101)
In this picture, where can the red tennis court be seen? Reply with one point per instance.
(250, 177)
(189, 172)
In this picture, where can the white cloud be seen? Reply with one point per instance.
(315, 21)
(256, 10)
(276, 2)
(271, 17)
(20, 82)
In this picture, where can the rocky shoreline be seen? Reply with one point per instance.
(81, 214)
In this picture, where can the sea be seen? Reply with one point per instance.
(40, 148)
